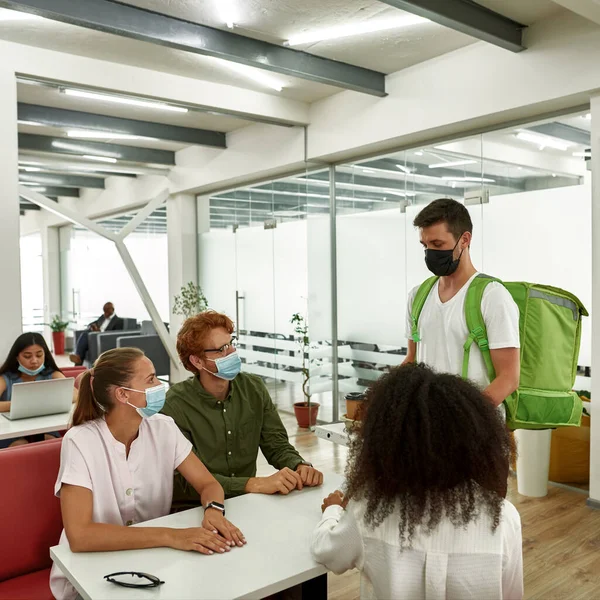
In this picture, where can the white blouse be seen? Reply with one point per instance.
(126, 490)
(452, 563)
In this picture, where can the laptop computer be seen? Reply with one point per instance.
(41, 398)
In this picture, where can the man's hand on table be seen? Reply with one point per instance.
(309, 475)
(285, 481)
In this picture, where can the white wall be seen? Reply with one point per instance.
(10, 276)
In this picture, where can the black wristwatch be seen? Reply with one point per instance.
(217, 506)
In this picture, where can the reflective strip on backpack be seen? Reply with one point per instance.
(564, 302)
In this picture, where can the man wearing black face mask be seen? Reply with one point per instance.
(446, 231)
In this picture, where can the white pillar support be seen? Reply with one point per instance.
(119, 241)
(595, 420)
(51, 274)
(10, 267)
(183, 264)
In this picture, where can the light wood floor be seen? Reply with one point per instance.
(561, 535)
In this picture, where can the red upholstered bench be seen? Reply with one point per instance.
(31, 521)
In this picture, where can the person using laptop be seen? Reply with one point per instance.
(116, 469)
(29, 360)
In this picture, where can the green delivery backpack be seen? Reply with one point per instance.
(550, 332)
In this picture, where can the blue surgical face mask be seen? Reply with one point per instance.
(155, 400)
(228, 367)
(30, 372)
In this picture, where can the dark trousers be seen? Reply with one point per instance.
(82, 345)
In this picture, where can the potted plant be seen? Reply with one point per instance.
(58, 326)
(190, 301)
(306, 412)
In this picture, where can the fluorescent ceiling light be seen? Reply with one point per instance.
(102, 135)
(352, 29)
(476, 179)
(368, 171)
(30, 123)
(585, 154)
(452, 163)
(15, 15)
(85, 150)
(123, 100)
(28, 183)
(543, 141)
(405, 169)
(228, 12)
(106, 159)
(418, 153)
(38, 189)
(30, 169)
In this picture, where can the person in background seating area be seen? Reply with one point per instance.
(107, 322)
(29, 360)
(116, 469)
(228, 416)
(423, 515)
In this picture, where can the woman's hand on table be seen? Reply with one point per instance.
(198, 539)
(215, 522)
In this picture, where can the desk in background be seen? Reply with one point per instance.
(276, 558)
(33, 426)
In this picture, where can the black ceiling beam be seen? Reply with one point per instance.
(564, 132)
(25, 205)
(468, 17)
(58, 117)
(156, 28)
(44, 143)
(72, 181)
(65, 192)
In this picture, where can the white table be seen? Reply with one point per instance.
(335, 433)
(277, 557)
(22, 427)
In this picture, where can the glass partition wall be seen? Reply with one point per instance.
(345, 256)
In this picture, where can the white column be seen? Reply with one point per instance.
(10, 269)
(183, 264)
(51, 274)
(595, 420)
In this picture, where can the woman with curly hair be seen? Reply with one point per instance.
(424, 514)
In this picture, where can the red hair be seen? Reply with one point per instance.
(191, 336)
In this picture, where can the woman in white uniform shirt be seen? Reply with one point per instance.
(422, 517)
(117, 464)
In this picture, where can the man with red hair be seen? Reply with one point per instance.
(228, 415)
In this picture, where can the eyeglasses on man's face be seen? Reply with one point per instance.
(224, 350)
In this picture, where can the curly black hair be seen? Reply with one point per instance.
(431, 445)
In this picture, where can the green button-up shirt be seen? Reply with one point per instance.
(226, 435)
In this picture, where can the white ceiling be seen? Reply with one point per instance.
(273, 21)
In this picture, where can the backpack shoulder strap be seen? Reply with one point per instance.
(418, 304)
(476, 325)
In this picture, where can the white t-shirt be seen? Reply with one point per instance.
(106, 322)
(126, 490)
(443, 329)
(450, 563)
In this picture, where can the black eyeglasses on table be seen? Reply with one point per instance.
(153, 581)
